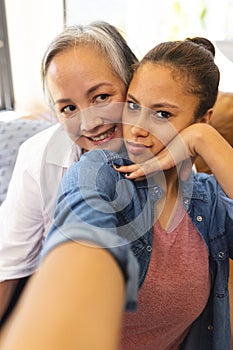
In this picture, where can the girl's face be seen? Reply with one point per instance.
(157, 109)
(87, 97)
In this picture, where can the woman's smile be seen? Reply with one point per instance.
(105, 136)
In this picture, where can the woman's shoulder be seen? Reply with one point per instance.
(42, 138)
(48, 146)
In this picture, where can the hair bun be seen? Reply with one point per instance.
(207, 44)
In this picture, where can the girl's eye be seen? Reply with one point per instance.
(162, 114)
(102, 98)
(133, 106)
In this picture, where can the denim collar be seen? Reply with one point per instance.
(190, 189)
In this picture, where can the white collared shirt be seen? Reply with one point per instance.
(27, 212)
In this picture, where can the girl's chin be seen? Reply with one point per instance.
(140, 158)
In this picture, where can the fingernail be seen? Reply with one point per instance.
(117, 166)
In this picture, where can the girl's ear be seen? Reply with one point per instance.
(206, 118)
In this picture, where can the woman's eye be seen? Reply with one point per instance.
(68, 110)
(133, 106)
(102, 98)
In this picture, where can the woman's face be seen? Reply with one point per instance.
(157, 109)
(87, 97)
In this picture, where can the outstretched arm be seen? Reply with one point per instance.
(74, 302)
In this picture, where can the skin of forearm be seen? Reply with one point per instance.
(7, 289)
(218, 155)
(75, 301)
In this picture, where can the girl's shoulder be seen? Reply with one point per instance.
(94, 167)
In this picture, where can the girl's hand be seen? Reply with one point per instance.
(197, 139)
(139, 172)
(179, 152)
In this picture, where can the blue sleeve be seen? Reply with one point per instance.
(86, 210)
(228, 204)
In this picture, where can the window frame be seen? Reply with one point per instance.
(6, 83)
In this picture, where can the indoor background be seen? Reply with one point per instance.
(32, 24)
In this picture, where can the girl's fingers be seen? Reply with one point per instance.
(137, 175)
(126, 168)
(133, 172)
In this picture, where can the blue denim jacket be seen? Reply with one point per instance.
(95, 203)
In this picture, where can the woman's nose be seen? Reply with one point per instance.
(90, 120)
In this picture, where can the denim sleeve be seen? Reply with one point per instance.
(228, 203)
(86, 211)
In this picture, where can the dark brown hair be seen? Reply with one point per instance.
(192, 60)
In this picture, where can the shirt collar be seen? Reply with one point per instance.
(61, 150)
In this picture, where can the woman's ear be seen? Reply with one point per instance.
(61, 120)
(206, 118)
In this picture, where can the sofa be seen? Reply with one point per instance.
(12, 134)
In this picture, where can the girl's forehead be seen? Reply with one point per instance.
(152, 76)
(155, 85)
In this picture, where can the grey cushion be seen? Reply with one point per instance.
(12, 134)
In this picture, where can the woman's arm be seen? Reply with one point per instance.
(74, 302)
(21, 221)
(21, 231)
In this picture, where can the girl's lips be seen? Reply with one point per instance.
(103, 137)
(136, 148)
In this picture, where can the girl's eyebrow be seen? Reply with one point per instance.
(164, 105)
(155, 105)
(133, 98)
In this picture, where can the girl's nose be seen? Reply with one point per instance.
(139, 127)
(136, 121)
(138, 131)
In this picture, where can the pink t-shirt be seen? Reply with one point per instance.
(174, 293)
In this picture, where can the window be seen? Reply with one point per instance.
(6, 88)
(148, 22)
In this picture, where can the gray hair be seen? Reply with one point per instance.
(99, 34)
